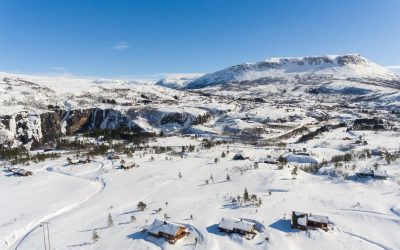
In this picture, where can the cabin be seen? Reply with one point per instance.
(269, 160)
(239, 226)
(127, 165)
(167, 230)
(110, 154)
(238, 157)
(21, 172)
(368, 124)
(376, 174)
(304, 221)
(78, 161)
(380, 174)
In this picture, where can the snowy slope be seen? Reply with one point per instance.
(296, 70)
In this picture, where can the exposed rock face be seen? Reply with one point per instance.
(33, 130)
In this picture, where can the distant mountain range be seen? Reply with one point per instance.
(347, 69)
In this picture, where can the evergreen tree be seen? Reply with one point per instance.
(246, 195)
(228, 178)
(110, 221)
(141, 206)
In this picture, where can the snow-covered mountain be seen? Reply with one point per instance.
(178, 81)
(297, 70)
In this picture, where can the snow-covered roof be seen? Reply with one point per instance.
(378, 173)
(318, 218)
(230, 224)
(166, 227)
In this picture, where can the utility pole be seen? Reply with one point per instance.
(45, 227)
(44, 237)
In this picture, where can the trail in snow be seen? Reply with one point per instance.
(368, 240)
(65, 210)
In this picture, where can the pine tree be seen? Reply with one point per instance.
(228, 178)
(212, 178)
(110, 221)
(180, 175)
(223, 154)
(133, 218)
(246, 195)
(141, 206)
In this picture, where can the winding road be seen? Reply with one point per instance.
(65, 210)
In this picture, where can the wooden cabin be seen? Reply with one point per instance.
(239, 226)
(110, 154)
(167, 230)
(78, 161)
(304, 221)
(376, 174)
(127, 165)
(21, 172)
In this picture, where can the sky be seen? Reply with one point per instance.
(149, 38)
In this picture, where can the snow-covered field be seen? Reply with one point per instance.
(75, 200)
(298, 114)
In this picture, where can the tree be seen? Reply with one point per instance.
(228, 178)
(180, 175)
(282, 160)
(212, 178)
(141, 206)
(255, 165)
(95, 236)
(216, 160)
(133, 218)
(259, 201)
(246, 195)
(166, 216)
(294, 172)
(110, 221)
(191, 216)
(223, 154)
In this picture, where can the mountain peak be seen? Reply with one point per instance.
(289, 69)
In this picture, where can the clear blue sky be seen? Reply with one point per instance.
(141, 38)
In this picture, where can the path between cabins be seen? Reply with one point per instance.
(62, 211)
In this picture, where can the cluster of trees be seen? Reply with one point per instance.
(20, 155)
(247, 199)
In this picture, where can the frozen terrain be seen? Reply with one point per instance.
(306, 127)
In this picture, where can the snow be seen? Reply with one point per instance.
(75, 206)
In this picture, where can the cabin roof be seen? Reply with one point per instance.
(230, 224)
(166, 227)
(318, 218)
(378, 173)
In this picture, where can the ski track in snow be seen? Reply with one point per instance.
(368, 240)
(65, 210)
